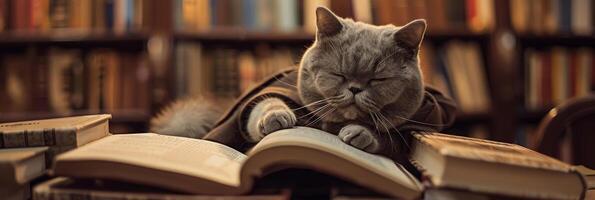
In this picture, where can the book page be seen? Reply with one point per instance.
(193, 157)
(317, 139)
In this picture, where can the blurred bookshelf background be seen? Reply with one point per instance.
(506, 62)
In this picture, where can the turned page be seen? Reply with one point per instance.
(325, 142)
(193, 157)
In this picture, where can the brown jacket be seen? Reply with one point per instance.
(231, 128)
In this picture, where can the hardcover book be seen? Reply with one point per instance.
(493, 167)
(62, 132)
(18, 166)
(205, 167)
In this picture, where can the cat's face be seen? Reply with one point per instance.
(359, 69)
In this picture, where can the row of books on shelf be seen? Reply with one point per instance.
(44, 15)
(66, 80)
(295, 15)
(557, 74)
(27, 149)
(457, 68)
(227, 72)
(553, 16)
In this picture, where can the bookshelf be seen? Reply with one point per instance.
(501, 51)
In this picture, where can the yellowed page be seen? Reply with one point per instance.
(193, 157)
(317, 139)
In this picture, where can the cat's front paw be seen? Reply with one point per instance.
(359, 137)
(276, 119)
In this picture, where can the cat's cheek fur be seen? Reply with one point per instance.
(267, 116)
(360, 137)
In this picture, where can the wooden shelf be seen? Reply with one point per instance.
(133, 116)
(238, 35)
(235, 35)
(560, 39)
(73, 37)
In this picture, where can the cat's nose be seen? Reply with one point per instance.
(355, 90)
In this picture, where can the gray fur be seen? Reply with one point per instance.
(382, 61)
(192, 117)
(269, 116)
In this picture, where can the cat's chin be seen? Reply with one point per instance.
(350, 112)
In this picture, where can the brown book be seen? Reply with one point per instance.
(588, 176)
(384, 9)
(111, 85)
(98, 21)
(204, 167)
(342, 8)
(18, 166)
(65, 189)
(546, 79)
(66, 132)
(17, 84)
(492, 167)
(3, 14)
(519, 16)
(437, 15)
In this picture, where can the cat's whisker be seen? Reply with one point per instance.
(316, 102)
(423, 123)
(285, 83)
(390, 138)
(314, 112)
(394, 128)
(374, 121)
(322, 116)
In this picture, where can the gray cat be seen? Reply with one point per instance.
(357, 80)
(363, 77)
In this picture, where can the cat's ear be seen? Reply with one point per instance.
(327, 23)
(411, 34)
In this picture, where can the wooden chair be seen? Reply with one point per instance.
(577, 118)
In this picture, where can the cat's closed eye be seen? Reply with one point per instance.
(340, 76)
(378, 80)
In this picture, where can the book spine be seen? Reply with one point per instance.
(62, 137)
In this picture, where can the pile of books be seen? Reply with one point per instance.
(153, 166)
(27, 148)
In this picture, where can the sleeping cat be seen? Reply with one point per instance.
(359, 81)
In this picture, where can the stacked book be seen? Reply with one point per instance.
(153, 166)
(27, 148)
(439, 164)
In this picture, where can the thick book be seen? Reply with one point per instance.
(18, 166)
(63, 132)
(204, 167)
(89, 189)
(494, 168)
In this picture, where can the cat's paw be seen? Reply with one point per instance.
(276, 119)
(360, 137)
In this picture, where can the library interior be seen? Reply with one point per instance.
(100, 70)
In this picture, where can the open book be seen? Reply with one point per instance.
(204, 167)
